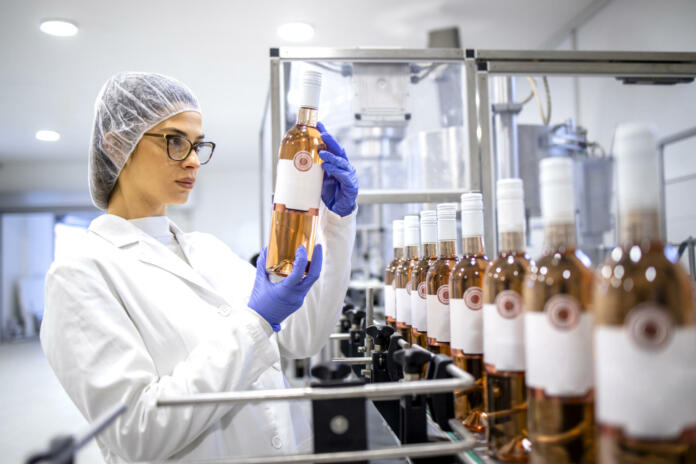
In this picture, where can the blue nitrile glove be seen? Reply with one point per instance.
(340, 188)
(275, 302)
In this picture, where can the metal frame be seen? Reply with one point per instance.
(564, 63)
(479, 66)
(280, 56)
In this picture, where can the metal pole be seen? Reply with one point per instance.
(462, 381)
(472, 125)
(487, 172)
(401, 451)
(262, 219)
(505, 114)
(277, 114)
(369, 316)
(662, 185)
(692, 257)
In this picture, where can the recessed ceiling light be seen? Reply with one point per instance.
(296, 32)
(58, 27)
(47, 136)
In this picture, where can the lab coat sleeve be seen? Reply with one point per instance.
(307, 330)
(100, 359)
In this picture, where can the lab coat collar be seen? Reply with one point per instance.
(122, 233)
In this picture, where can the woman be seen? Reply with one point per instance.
(145, 311)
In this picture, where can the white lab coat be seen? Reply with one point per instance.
(128, 321)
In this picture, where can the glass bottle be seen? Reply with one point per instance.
(437, 280)
(419, 309)
(503, 331)
(402, 276)
(645, 326)
(558, 330)
(299, 177)
(390, 271)
(466, 318)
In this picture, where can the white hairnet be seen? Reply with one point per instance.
(129, 104)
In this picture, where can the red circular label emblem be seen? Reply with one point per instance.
(443, 294)
(509, 304)
(649, 326)
(408, 287)
(563, 312)
(302, 161)
(421, 290)
(473, 298)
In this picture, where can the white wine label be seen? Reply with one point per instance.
(645, 375)
(403, 306)
(559, 348)
(467, 321)
(503, 332)
(438, 315)
(419, 309)
(298, 183)
(389, 301)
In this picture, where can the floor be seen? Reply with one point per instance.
(33, 406)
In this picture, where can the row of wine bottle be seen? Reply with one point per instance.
(572, 366)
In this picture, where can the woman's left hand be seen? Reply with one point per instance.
(340, 188)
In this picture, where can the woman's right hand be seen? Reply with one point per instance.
(275, 302)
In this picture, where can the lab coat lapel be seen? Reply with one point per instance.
(135, 241)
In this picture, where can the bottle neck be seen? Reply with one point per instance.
(430, 250)
(307, 116)
(446, 249)
(472, 246)
(560, 236)
(639, 227)
(411, 251)
(511, 242)
(398, 253)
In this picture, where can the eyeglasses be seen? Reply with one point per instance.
(180, 147)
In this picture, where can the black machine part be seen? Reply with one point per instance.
(380, 336)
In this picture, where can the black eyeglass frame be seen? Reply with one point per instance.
(192, 146)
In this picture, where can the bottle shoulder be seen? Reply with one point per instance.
(558, 273)
(301, 138)
(509, 263)
(470, 266)
(642, 276)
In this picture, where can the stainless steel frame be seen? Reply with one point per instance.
(479, 66)
(566, 63)
(281, 56)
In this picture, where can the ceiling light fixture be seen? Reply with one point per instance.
(58, 27)
(296, 32)
(47, 136)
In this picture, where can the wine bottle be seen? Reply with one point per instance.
(390, 271)
(503, 331)
(402, 276)
(645, 324)
(558, 330)
(466, 318)
(437, 280)
(299, 177)
(419, 309)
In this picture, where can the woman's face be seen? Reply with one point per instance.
(151, 176)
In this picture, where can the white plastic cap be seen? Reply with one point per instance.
(411, 231)
(472, 215)
(398, 230)
(429, 226)
(510, 193)
(557, 190)
(635, 150)
(311, 89)
(447, 221)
